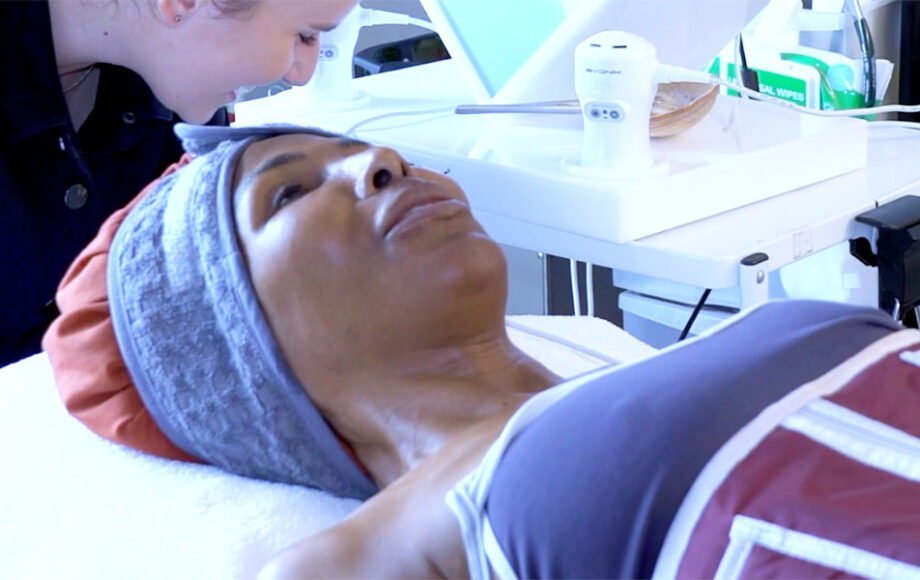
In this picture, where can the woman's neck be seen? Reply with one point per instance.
(86, 33)
(412, 410)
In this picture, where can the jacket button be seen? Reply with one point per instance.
(75, 196)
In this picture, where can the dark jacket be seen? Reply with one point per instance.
(57, 185)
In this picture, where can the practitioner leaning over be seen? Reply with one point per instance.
(91, 91)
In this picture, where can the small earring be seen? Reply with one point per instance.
(178, 18)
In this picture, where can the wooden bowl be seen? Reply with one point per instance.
(679, 106)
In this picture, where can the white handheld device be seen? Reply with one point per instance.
(616, 80)
(616, 77)
(331, 86)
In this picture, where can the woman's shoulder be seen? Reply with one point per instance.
(405, 531)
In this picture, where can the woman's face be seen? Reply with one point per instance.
(357, 257)
(210, 56)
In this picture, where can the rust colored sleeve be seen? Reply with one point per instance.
(90, 374)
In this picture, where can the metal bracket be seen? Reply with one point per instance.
(898, 253)
(753, 280)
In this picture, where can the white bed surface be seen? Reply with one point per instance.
(73, 505)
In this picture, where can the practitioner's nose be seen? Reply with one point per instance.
(382, 166)
(303, 64)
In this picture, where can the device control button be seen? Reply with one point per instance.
(605, 112)
(76, 195)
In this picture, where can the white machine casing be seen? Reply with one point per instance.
(615, 80)
(617, 74)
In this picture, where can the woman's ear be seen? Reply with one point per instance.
(173, 12)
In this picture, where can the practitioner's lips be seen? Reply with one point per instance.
(412, 207)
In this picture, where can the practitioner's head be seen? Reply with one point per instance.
(275, 260)
(198, 54)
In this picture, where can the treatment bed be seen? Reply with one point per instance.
(73, 505)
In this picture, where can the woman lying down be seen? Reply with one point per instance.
(309, 309)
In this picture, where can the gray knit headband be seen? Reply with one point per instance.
(195, 340)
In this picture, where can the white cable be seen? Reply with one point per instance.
(906, 124)
(351, 130)
(576, 291)
(589, 282)
(669, 73)
(817, 112)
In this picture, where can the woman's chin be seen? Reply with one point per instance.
(196, 115)
(482, 269)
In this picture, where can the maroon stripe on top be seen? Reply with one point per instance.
(888, 391)
(796, 483)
